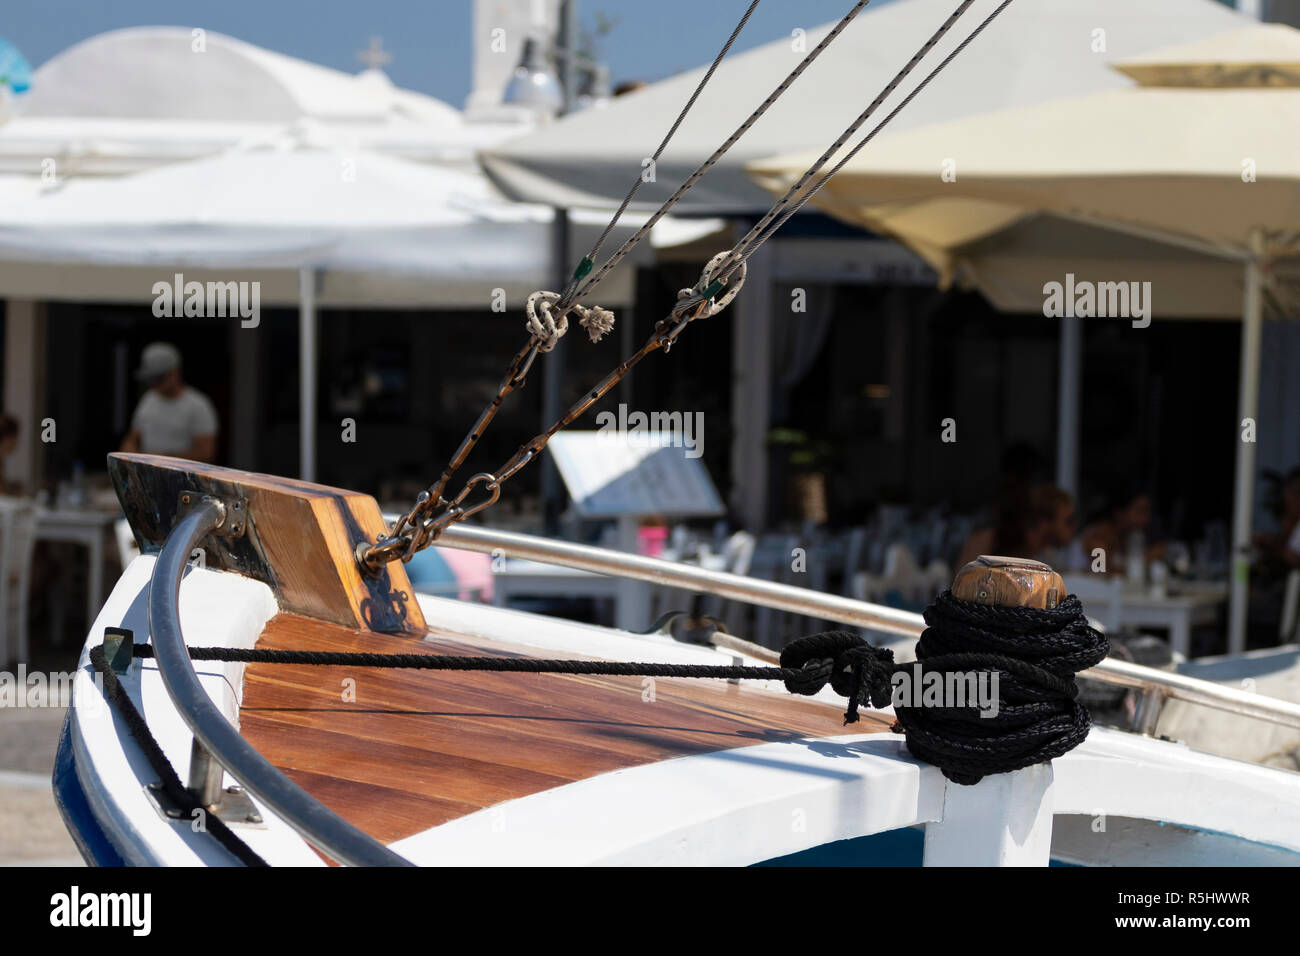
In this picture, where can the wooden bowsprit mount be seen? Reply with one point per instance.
(1011, 582)
(299, 538)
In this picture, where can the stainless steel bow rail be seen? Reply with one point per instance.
(1155, 685)
(214, 737)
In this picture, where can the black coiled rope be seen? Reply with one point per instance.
(1034, 653)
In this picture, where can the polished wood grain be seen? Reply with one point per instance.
(408, 750)
(1010, 582)
(299, 538)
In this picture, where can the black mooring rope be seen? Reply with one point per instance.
(1034, 653)
(176, 791)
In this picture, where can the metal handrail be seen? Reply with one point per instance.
(785, 597)
(318, 825)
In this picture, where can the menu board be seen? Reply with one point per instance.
(650, 473)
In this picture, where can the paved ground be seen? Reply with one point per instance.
(31, 830)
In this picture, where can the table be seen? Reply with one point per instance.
(1176, 612)
(523, 578)
(87, 528)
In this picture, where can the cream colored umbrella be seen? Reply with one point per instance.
(1210, 171)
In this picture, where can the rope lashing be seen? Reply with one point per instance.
(1035, 653)
(852, 667)
(547, 326)
(542, 326)
(711, 289)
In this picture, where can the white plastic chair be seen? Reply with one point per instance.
(940, 576)
(736, 558)
(1102, 596)
(17, 538)
(904, 577)
(855, 546)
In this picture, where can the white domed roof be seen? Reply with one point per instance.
(159, 73)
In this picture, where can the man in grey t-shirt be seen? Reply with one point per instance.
(172, 418)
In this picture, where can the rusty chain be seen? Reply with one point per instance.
(420, 527)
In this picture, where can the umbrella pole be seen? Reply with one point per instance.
(1067, 408)
(307, 374)
(1247, 408)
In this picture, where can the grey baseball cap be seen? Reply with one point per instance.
(157, 360)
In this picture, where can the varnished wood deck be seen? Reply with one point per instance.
(419, 748)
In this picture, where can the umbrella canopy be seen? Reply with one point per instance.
(1199, 167)
(1032, 54)
(274, 207)
(1210, 168)
(295, 202)
(1262, 54)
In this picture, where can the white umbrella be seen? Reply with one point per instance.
(1202, 167)
(1035, 52)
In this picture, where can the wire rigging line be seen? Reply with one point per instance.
(767, 227)
(654, 158)
(616, 257)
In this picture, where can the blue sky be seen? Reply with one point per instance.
(428, 38)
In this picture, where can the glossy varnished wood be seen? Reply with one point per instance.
(299, 538)
(1010, 582)
(413, 749)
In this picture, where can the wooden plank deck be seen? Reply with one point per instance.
(418, 748)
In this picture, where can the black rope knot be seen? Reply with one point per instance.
(852, 667)
(1034, 654)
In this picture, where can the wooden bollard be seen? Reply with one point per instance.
(1006, 818)
(1011, 582)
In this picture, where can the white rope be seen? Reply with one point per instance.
(547, 327)
(690, 299)
(541, 324)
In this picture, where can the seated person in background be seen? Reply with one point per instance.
(172, 418)
(1053, 509)
(1127, 514)
(8, 445)
(1021, 463)
(1284, 547)
(1038, 525)
(1291, 554)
